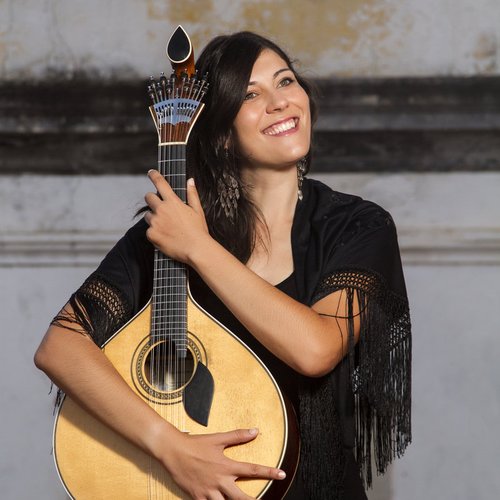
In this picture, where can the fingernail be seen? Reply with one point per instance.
(190, 182)
(253, 432)
(150, 170)
(281, 474)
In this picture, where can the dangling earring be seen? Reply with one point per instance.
(228, 191)
(301, 170)
(229, 194)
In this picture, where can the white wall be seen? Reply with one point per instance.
(40, 38)
(54, 230)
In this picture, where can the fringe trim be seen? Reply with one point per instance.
(321, 436)
(379, 366)
(99, 310)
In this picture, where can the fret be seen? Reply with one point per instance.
(167, 336)
(177, 335)
(170, 294)
(166, 320)
(166, 324)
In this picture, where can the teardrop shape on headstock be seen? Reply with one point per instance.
(180, 52)
(177, 101)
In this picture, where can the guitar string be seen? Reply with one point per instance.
(152, 360)
(171, 336)
(157, 375)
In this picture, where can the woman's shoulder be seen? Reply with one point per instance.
(328, 204)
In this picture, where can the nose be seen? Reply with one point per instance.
(277, 101)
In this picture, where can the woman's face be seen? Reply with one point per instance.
(273, 125)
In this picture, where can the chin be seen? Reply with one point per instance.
(298, 154)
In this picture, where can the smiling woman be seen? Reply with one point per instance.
(273, 126)
(308, 278)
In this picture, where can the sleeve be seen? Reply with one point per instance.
(366, 264)
(115, 291)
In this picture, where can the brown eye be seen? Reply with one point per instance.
(250, 96)
(286, 81)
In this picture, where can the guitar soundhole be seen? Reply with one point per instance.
(166, 370)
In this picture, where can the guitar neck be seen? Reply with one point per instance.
(169, 299)
(172, 165)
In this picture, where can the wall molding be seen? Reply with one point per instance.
(83, 126)
(419, 246)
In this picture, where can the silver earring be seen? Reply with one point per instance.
(228, 191)
(301, 170)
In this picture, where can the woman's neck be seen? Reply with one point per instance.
(274, 192)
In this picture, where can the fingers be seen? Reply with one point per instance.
(162, 186)
(216, 495)
(193, 198)
(238, 436)
(256, 471)
(234, 493)
(165, 192)
(153, 200)
(248, 470)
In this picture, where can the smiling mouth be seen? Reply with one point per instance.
(282, 127)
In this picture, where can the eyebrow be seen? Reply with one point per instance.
(275, 74)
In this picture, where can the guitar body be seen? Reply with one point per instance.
(96, 463)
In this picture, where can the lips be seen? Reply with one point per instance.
(282, 127)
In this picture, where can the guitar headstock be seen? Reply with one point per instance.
(177, 100)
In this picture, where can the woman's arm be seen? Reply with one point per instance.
(303, 337)
(196, 462)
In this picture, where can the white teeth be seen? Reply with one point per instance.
(282, 127)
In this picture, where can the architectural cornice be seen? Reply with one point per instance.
(84, 126)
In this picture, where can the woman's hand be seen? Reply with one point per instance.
(175, 228)
(198, 465)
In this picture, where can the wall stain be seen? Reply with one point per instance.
(188, 11)
(198, 17)
(485, 54)
(310, 28)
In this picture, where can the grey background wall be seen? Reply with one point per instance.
(55, 225)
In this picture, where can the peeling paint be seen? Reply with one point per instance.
(309, 28)
(199, 17)
(325, 37)
(5, 29)
(485, 53)
(305, 28)
(187, 11)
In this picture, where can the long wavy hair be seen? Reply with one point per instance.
(228, 61)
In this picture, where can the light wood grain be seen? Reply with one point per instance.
(96, 463)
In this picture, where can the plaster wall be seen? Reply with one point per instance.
(55, 230)
(126, 38)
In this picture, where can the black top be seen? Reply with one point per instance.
(339, 242)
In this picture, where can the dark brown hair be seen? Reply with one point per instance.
(228, 61)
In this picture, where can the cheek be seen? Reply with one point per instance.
(246, 130)
(246, 120)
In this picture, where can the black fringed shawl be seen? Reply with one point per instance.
(338, 242)
(344, 242)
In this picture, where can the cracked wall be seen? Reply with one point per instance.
(126, 38)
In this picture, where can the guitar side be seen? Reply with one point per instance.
(94, 462)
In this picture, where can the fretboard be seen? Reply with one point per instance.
(169, 300)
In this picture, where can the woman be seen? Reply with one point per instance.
(321, 268)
